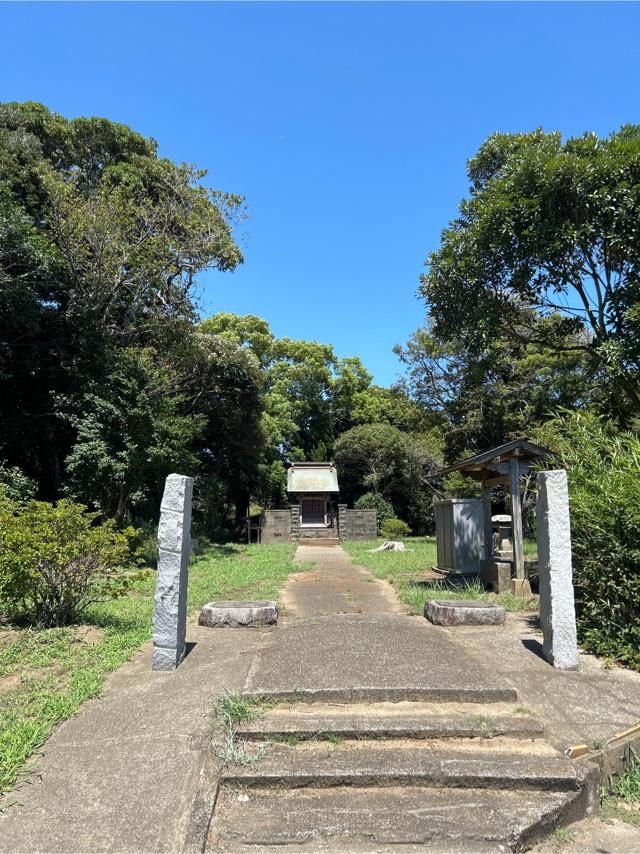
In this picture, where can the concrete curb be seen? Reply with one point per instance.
(204, 803)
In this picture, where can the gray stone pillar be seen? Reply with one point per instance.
(170, 603)
(557, 607)
(342, 521)
(295, 523)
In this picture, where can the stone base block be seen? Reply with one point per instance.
(232, 615)
(521, 587)
(166, 658)
(496, 575)
(461, 612)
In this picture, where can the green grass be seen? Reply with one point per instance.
(406, 571)
(46, 674)
(622, 802)
(530, 548)
(562, 836)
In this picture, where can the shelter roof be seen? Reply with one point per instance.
(488, 463)
(312, 477)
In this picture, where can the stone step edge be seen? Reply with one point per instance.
(443, 728)
(386, 778)
(366, 694)
(575, 806)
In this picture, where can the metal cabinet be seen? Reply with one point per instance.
(459, 535)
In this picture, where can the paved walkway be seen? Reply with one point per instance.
(345, 630)
(134, 770)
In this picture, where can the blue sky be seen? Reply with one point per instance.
(346, 125)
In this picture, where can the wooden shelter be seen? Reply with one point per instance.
(503, 465)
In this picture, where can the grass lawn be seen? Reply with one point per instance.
(406, 571)
(45, 674)
(623, 801)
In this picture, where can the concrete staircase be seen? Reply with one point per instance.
(365, 774)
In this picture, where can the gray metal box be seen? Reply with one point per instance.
(459, 535)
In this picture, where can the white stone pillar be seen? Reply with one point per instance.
(170, 603)
(557, 607)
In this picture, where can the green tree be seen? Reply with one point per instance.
(604, 490)
(400, 467)
(489, 395)
(101, 244)
(130, 434)
(549, 227)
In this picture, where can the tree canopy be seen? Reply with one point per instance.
(549, 230)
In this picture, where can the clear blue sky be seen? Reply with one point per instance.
(346, 126)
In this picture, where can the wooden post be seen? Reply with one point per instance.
(486, 518)
(516, 516)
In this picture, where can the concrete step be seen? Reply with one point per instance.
(318, 541)
(384, 819)
(391, 694)
(495, 764)
(402, 720)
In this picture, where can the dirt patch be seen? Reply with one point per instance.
(9, 682)
(8, 636)
(91, 635)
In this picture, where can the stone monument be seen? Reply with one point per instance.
(557, 607)
(170, 603)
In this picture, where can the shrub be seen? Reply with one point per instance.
(15, 483)
(55, 561)
(604, 490)
(372, 501)
(394, 529)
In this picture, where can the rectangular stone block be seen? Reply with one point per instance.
(170, 565)
(496, 575)
(557, 606)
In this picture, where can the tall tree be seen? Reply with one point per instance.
(400, 467)
(101, 242)
(487, 396)
(549, 226)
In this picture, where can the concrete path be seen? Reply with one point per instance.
(345, 630)
(135, 772)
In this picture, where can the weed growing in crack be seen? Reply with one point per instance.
(521, 710)
(234, 752)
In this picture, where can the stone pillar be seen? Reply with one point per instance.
(295, 523)
(342, 521)
(557, 608)
(170, 604)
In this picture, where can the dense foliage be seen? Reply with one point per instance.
(108, 378)
(318, 407)
(548, 233)
(533, 301)
(55, 562)
(604, 487)
(395, 529)
(399, 466)
(106, 385)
